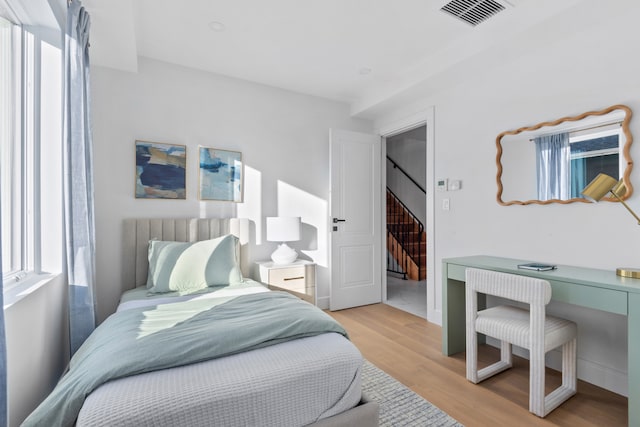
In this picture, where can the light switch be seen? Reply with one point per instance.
(445, 204)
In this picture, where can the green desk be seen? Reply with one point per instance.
(586, 287)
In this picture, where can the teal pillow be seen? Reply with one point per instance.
(187, 267)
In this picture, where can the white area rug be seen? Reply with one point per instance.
(399, 406)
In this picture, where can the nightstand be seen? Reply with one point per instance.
(297, 278)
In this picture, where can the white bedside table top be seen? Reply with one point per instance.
(271, 264)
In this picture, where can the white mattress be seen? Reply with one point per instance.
(290, 384)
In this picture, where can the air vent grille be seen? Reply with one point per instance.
(472, 11)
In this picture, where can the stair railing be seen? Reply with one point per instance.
(397, 166)
(404, 236)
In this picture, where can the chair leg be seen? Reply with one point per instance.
(569, 365)
(536, 382)
(542, 405)
(506, 355)
(472, 355)
(505, 362)
(569, 378)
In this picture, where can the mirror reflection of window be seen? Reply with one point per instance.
(567, 162)
(594, 151)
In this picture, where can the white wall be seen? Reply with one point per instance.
(591, 68)
(283, 137)
(37, 346)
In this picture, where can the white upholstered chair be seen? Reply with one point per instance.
(530, 329)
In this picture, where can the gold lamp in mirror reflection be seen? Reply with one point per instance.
(596, 190)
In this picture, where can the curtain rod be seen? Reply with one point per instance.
(581, 129)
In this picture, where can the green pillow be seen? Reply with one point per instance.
(187, 267)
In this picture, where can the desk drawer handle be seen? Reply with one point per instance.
(293, 278)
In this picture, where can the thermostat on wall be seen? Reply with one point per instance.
(441, 184)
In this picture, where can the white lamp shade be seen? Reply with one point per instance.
(283, 228)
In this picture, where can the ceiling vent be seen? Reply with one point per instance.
(473, 11)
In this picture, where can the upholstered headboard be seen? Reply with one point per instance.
(138, 232)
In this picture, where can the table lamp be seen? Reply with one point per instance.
(283, 229)
(596, 190)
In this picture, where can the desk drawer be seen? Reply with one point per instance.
(590, 296)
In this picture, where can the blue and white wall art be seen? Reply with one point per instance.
(160, 170)
(220, 175)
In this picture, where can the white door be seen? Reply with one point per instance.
(356, 272)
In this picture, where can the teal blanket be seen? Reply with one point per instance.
(152, 338)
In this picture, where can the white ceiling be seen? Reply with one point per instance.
(315, 47)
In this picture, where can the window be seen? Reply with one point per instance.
(13, 259)
(30, 130)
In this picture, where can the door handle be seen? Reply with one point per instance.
(336, 220)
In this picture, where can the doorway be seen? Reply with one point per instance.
(405, 227)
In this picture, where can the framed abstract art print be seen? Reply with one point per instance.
(160, 170)
(220, 175)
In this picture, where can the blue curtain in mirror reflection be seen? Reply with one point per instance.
(579, 176)
(594, 153)
(553, 166)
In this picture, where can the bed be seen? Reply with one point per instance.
(285, 362)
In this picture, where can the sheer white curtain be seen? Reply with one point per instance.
(553, 165)
(78, 176)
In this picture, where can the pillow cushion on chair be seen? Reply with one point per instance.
(188, 267)
(508, 323)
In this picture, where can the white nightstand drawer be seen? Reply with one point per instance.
(290, 278)
(298, 278)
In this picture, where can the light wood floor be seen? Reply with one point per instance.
(408, 348)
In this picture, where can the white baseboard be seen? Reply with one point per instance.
(603, 376)
(435, 317)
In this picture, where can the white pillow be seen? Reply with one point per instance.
(188, 267)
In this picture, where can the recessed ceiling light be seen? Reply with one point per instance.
(216, 26)
(364, 71)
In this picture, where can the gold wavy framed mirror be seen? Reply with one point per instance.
(574, 149)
